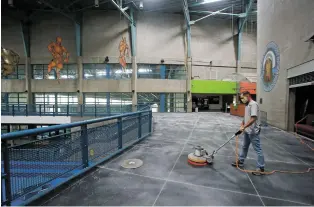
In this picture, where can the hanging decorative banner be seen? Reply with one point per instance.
(270, 67)
(124, 51)
(59, 54)
(9, 60)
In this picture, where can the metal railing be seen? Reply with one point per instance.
(31, 170)
(66, 109)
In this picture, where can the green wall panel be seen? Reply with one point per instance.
(213, 87)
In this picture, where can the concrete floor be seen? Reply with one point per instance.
(167, 179)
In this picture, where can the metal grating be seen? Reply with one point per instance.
(28, 169)
(304, 78)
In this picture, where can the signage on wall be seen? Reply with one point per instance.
(270, 67)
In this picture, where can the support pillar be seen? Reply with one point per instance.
(162, 107)
(188, 70)
(80, 79)
(134, 84)
(238, 68)
(25, 27)
(80, 71)
(134, 63)
(108, 93)
(28, 80)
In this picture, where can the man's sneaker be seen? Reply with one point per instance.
(240, 164)
(259, 171)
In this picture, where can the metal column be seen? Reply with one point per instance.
(239, 46)
(78, 41)
(241, 24)
(188, 59)
(25, 27)
(134, 63)
(162, 95)
(108, 93)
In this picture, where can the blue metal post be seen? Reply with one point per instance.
(139, 125)
(78, 39)
(241, 24)
(150, 117)
(120, 133)
(133, 33)
(84, 145)
(108, 94)
(6, 170)
(68, 109)
(6, 101)
(188, 40)
(107, 71)
(26, 110)
(248, 10)
(26, 37)
(162, 95)
(239, 41)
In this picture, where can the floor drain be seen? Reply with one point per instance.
(132, 163)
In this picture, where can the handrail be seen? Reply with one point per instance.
(72, 155)
(18, 134)
(65, 109)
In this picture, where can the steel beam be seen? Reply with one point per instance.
(188, 28)
(248, 10)
(133, 33)
(59, 11)
(78, 35)
(239, 43)
(122, 10)
(220, 13)
(25, 27)
(70, 4)
(212, 14)
(186, 11)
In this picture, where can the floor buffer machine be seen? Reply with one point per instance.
(200, 156)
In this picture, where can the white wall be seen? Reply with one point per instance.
(44, 30)
(286, 23)
(42, 120)
(160, 36)
(11, 35)
(102, 33)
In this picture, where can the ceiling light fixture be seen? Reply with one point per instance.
(96, 3)
(141, 5)
(10, 2)
(209, 1)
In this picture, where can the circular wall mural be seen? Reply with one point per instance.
(270, 67)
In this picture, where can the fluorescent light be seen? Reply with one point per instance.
(101, 73)
(128, 71)
(88, 75)
(209, 1)
(144, 70)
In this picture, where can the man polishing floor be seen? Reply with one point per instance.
(251, 130)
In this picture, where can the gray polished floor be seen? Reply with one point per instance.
(166, 179)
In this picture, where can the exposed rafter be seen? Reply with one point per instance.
(70, 4)
(186, 11)
(188, 28)
(220, 13)
(25, 27)
(212, 14)
(122, 10)
(248, 10)
(59, 11)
